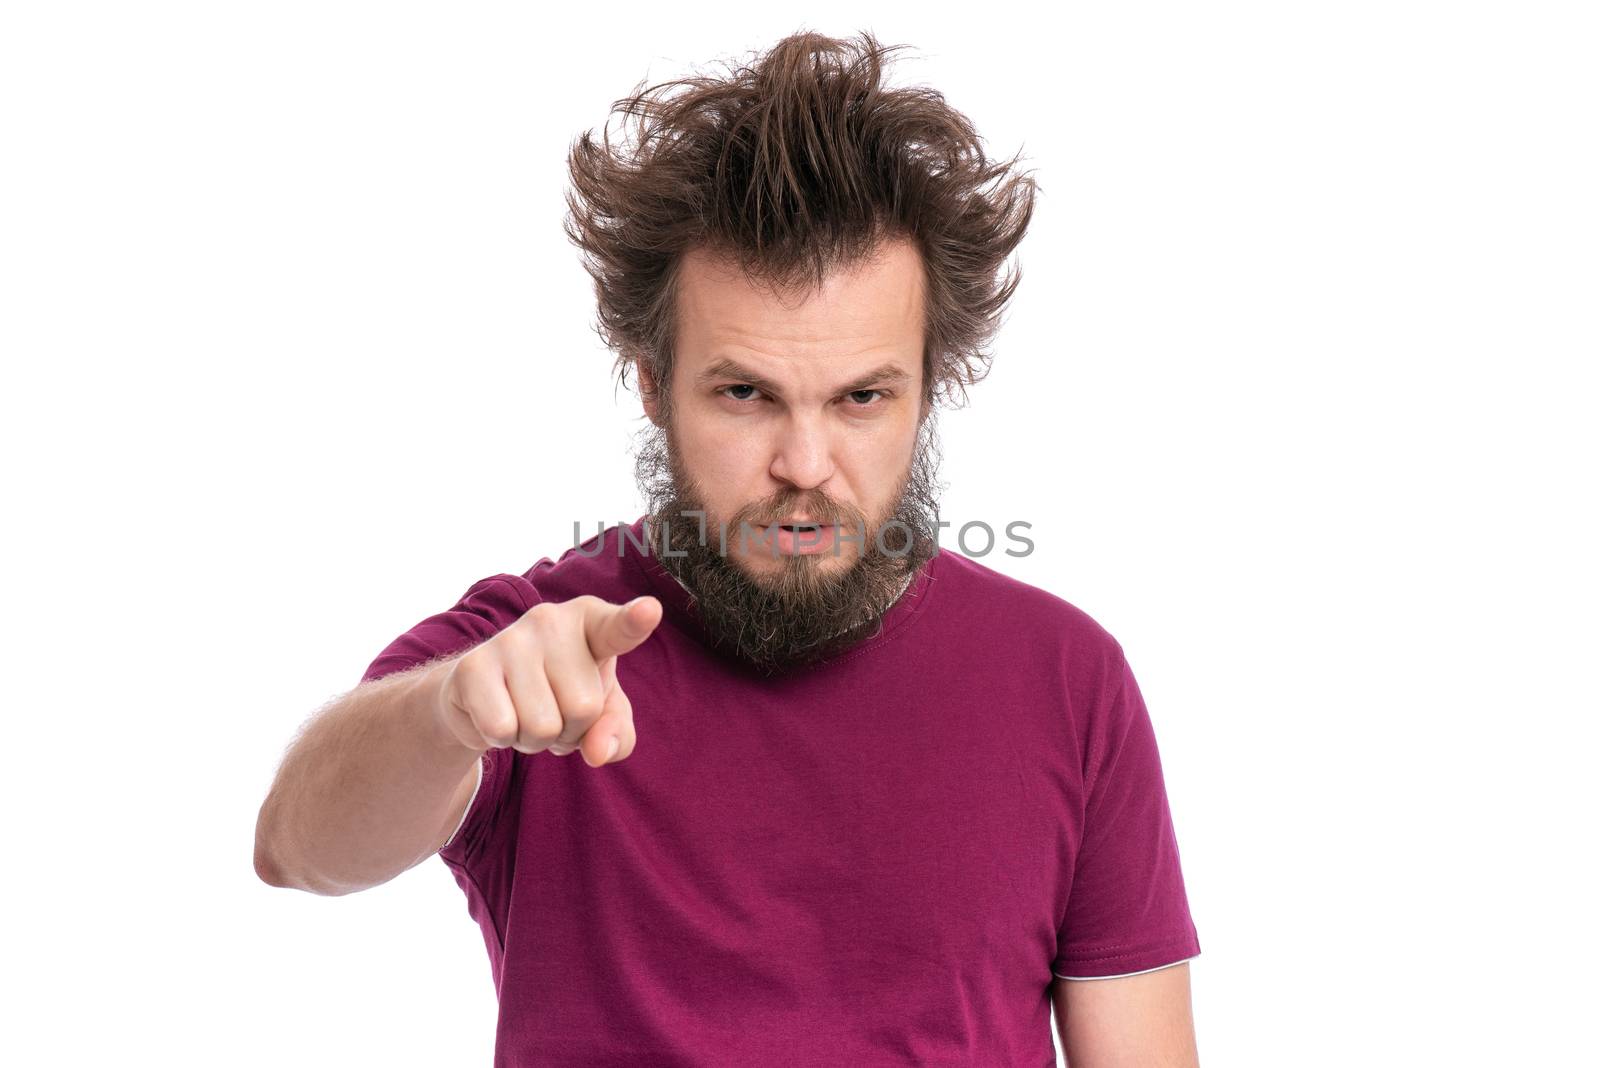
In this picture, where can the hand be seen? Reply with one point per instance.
(549, 681)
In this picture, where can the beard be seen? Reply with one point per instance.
(802, 611)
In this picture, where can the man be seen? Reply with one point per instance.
(846, 798)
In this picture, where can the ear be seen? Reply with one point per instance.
(648, 392)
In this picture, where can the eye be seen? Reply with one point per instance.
(725, 390)
(861, 398)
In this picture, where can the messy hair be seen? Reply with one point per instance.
(795, 165)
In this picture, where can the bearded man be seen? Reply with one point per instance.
(846, 797)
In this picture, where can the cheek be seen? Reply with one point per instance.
(724, 458)
(872, 465)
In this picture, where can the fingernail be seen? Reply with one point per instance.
(616, 745)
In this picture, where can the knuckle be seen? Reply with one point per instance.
(584, 706)
(461, 690)
(570, 611)
(539, 620)
(520, 634)
(502, 735)
(542, 728)
(470, 666)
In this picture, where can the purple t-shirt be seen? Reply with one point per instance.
(884, 859)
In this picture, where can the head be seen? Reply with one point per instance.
(799, 265)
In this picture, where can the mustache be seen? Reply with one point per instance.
(822, 508)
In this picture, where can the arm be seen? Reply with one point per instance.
(1130, 1021)
(381, 779)
(373, 786)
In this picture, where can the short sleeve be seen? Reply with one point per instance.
(488, 607)
(1127, 909)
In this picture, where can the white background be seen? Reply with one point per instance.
(1296, 393)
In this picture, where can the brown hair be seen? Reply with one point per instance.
(795, 165)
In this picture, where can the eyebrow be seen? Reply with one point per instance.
(887, 374)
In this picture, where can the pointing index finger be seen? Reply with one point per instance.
(612, 629)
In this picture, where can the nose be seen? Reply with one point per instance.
(803, 456)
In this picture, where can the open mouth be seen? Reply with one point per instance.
(804, 539)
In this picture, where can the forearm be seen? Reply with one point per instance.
(363, 793)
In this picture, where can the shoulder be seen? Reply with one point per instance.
(493, 603)
(603, 565)
(976, 598)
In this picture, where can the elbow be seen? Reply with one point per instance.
(298, 874)
(266, 870)
(269, 871)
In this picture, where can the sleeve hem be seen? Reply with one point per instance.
(1110, 966)
(1124, 975)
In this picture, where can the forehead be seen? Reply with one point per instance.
(871, 308)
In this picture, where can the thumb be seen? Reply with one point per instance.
(615, 726)
(615, 629)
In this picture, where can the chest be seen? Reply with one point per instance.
(835, 836)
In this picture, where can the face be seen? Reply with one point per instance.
(799, 408)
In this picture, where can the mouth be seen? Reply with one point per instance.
(806, 539)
